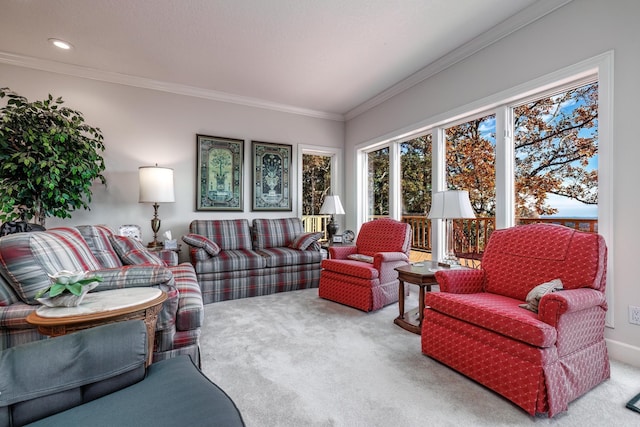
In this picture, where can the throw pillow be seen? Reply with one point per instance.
(133, 252)
(305, 240)
(198, 241)
(360, 257)
(535, 294)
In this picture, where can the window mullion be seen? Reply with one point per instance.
(505, 159)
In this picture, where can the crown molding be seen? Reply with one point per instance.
(140, 82)
(493, 35)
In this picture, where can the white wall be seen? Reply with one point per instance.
(144, 127)
(578, 31)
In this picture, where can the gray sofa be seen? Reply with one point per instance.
(97, 377)
(234, 260)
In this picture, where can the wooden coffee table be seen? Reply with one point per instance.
(100, 308)
(422, 275)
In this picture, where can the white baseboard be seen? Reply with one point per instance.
(624, 353)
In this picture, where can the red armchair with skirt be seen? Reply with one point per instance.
(530, 323)
(363, 276)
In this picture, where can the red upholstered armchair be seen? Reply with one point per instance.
(540, 360)
(363, 276)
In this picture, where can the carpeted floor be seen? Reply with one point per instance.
(293, 359)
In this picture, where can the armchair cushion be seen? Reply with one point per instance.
(496, 313)
(132, 252)
(359, 269)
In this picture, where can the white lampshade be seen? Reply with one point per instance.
(332, 205)
(156, 185)
(451, 205)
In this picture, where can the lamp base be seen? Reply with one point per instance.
(332, 228)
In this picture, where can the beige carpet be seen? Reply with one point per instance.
(293, 359)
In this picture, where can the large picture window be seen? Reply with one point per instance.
(539, 152)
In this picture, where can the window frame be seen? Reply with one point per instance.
(598, 68)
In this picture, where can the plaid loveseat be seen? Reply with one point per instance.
(234, 260)
(26, 259)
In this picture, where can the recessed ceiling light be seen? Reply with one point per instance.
(61, 44)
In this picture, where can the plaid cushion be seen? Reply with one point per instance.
(285, 256)
(132, 252)
(232, 261)
(305, 240)
(199, 241)
(276, 233)
(7, 294)
(97, 238)
(28, 258)
(229, 234)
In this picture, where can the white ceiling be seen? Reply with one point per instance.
(322, 57)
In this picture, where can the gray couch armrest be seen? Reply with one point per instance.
(45, 377)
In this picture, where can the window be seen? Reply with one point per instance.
(539, 151)
(378, 169)
(470, 162)
(556, 158)
(318, 168)
(316, 182)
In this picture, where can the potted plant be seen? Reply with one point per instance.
(68, 288)
(49, 159)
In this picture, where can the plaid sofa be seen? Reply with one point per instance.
(235, 260)
(26, 259)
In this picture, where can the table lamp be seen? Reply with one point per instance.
(450, 205)
(156, 186)
(332, 206)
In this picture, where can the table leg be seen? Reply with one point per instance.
(421, 305)
(401, 298)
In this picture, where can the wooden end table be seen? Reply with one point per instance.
(101, 308)
(419, 274)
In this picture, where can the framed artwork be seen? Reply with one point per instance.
(219, 180)
(271, 165)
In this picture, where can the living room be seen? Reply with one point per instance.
(146, 122)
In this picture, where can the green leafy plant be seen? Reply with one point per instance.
(49, 159)
(69, 281)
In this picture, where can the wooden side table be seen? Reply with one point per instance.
(419, 274)
(101, 308)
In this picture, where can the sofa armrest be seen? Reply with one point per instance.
(556, 304)
(169, 257)
(460, 281)
(130, 276)
(45, 377)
